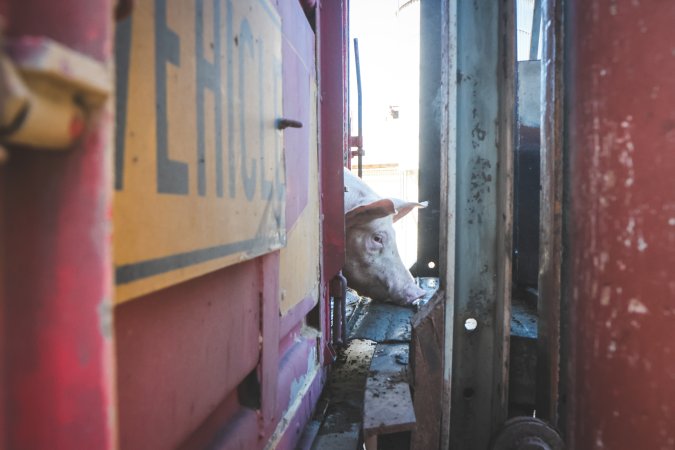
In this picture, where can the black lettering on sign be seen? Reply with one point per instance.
(245, 44)
(265, 185)
(122, 56)
(208, 77)
(232, 185)
(172, 176)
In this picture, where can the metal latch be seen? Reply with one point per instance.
(47, 91)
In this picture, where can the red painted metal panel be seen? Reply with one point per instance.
(298, 361)
(57, 286)
(298, 74)
(240, 433)
(268, 369)
(622, 224)
(182, 350)
(83, 25)
(290, 440)
(333, 57)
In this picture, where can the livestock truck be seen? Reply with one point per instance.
(172, 230)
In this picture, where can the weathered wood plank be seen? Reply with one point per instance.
(387, 406)
(426, 367)
(344, 393)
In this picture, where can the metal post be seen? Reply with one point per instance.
(551, 215)
(480, 135)
(621, 239)
(57, 241)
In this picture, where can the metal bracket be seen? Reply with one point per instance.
(47, 91)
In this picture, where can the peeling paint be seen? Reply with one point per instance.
(599, 443)
(635, 306)
(631, 225)
(105, 318)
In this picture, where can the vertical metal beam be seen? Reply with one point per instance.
(621, 131)
(430, 135)
(58, 276)
(551, 214)
(333, 129)
(536, 30)
(333, 61)
(484, 36)
(448, 198)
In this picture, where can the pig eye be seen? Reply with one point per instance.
(377, 238)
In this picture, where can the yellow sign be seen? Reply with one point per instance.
(199, 168)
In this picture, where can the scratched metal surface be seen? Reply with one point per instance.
(481, 124)
(621, 131)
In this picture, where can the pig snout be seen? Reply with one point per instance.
(390, 282)
(403, 290)
(411, 293)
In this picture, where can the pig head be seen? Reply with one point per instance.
(373, 266)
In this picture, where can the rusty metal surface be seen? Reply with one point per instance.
(621, 130)
(480, 125)
(58, 355)
(551, 214)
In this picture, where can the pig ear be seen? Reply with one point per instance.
(367, 213)
(403, 207)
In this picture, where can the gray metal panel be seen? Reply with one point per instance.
(479, 133)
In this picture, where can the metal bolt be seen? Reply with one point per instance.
(284, 123)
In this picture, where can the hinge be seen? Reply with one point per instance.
(47, 92)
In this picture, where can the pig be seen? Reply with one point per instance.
(373, 266)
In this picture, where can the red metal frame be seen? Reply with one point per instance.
(58, 299)
(333, 57)
(621, 232)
